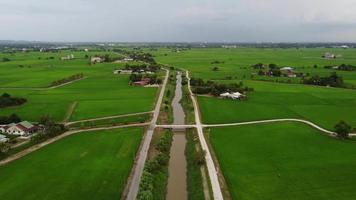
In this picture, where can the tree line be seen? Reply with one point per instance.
(143, 67)
(333, 80)
(66, 80)
(154, 168)
(6, 100)
(210, 87)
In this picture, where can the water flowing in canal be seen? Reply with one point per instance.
(177, 183)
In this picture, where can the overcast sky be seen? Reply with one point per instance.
(179, 20)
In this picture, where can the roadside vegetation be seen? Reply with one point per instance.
(67, 80)
(186, 101)
(166, 112)
(195, 167)
(154, 179)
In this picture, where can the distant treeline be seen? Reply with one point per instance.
(66, 80)
(7, 100)
(210, 87)
(138, 56)
(13, 118)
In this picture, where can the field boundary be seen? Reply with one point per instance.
(108, 117)
(70, 111)
(330, 133)
(43, 88)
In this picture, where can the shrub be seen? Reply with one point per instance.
(342, 129)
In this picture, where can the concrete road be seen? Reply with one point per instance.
(213, 174)
(134, 182)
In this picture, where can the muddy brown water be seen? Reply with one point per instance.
(177, 180)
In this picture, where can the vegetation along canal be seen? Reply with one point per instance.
(177, 185)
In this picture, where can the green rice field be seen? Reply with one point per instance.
(284, 161)
(92, 165)
(101, 93)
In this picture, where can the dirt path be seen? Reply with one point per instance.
(108, 117)
(42, 88)
(70, 111)
(68, 133)
(275, 120)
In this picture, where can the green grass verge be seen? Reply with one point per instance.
(285, 161)
(93, 165)
(194, 177)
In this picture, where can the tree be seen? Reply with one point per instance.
(6, 59)
(342, 129)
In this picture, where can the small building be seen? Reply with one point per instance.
(96, 60)
(143, 82)
(328, 55)
(23, 128)
(68, 57)
(3, 139)
(286, 69)
(235, 95)
(128, 59)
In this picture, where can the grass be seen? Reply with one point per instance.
(194, 176)
(285, 161)
(324, 106)
(91, 165)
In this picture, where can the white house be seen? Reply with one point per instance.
(23, 128)
(226, 94)
(3, 138)
(235, 95)
(286, 69)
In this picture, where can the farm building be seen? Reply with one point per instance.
(142, 82)
(288, 72)
(23, 128)
(96, 60)
(68, 57)
(329, 55)
(235, 95)
(3, 138)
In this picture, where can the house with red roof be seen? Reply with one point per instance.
(23, 128)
